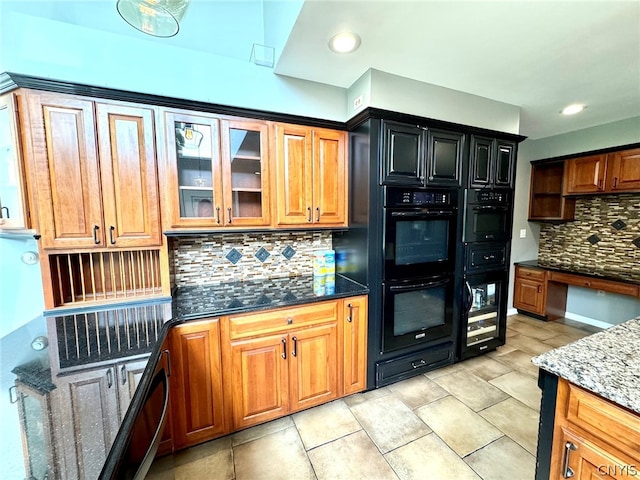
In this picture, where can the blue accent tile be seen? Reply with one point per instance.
(262, 254)
(288, 252)
(618, 224)
(636, 242)
(289, 297)
(593, 239)
(235, 303)
(263, 300)
(234, 256)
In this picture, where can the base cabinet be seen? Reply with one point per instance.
(196, 383)
(534, 294)
(593, 438)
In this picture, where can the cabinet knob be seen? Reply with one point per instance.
(289, 321)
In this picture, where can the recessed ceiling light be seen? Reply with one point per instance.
(344, 42)
(572, 109)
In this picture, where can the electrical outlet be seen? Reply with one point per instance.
(357, 103)
(523, 233)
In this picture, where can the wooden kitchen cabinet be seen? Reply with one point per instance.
(197, 409)
(217, 171)
(311, 176)
(14, 210)
(535, 295)
(354, 322)
(419, 156)
(547, 201)
(593, 437)
(615, 172)
(492, 163)
(294, 366)
(94, 173)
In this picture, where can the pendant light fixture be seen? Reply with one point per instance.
(160, 18)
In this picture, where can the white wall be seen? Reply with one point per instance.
(581, 303)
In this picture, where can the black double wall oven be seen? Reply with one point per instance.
(418, 287)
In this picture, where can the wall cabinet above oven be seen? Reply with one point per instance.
(491, 163)
(419, 156)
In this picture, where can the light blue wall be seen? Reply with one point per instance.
(21, 297)
(582, 304)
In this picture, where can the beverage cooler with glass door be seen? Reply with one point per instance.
(484, 313)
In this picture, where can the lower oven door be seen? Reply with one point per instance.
(417, 312)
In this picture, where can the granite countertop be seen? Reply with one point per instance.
(192, 302)
(606, 363)
(618, 275)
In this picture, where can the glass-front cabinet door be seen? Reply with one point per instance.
(12, 197)
(194, 173)
(245, 173)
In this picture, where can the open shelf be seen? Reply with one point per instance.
(546, 202)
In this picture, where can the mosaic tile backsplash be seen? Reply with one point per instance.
(603, 237)
(211, 259)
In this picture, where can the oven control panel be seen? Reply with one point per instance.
(494, 197)
(408, 197)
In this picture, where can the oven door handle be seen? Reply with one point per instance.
(418, 286)
(469, 297)
(423, 213)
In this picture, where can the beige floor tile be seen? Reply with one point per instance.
(433, 374)
(213, 459)
(389, 422)
(461, 428)
(519, 360)
(486, 367)
(325, 423)
(503, 460)
(276, 456)
(260, 431)
(520, 386)
(354, 457)
(431, 455)
(528, 344)
(161, 469)
(560, 340)
(501, 350)
(517, 420)
(538, 331)
(357, 398)
(417, 391)
(471, 390)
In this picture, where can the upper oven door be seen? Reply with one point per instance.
(487, 223)
(419, 242)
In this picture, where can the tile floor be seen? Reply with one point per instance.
(477, 419)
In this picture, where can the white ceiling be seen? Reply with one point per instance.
(537, 54)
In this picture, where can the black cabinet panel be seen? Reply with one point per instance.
(492, 163)
(445, 150)
(403, 150)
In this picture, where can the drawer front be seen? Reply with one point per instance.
(391, 371)
(604, 420)
(533, 273)
(595, 283)
(486, 257)
(281, 320)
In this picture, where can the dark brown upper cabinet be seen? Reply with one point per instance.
(492, 163)
(418, 156)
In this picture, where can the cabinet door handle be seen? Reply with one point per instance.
(419, 363)
(111, 230)
(123, 374)
(317, 214)
(109, 378)
(567, 472)
(539, 288)
(229, 213)
(284, 348)
(168, 353)
(600, 184)
(294, 352)
(309, 214)
(2, 209)
(350, 317)
(218, 215)
(95, 234)
(615, 184)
